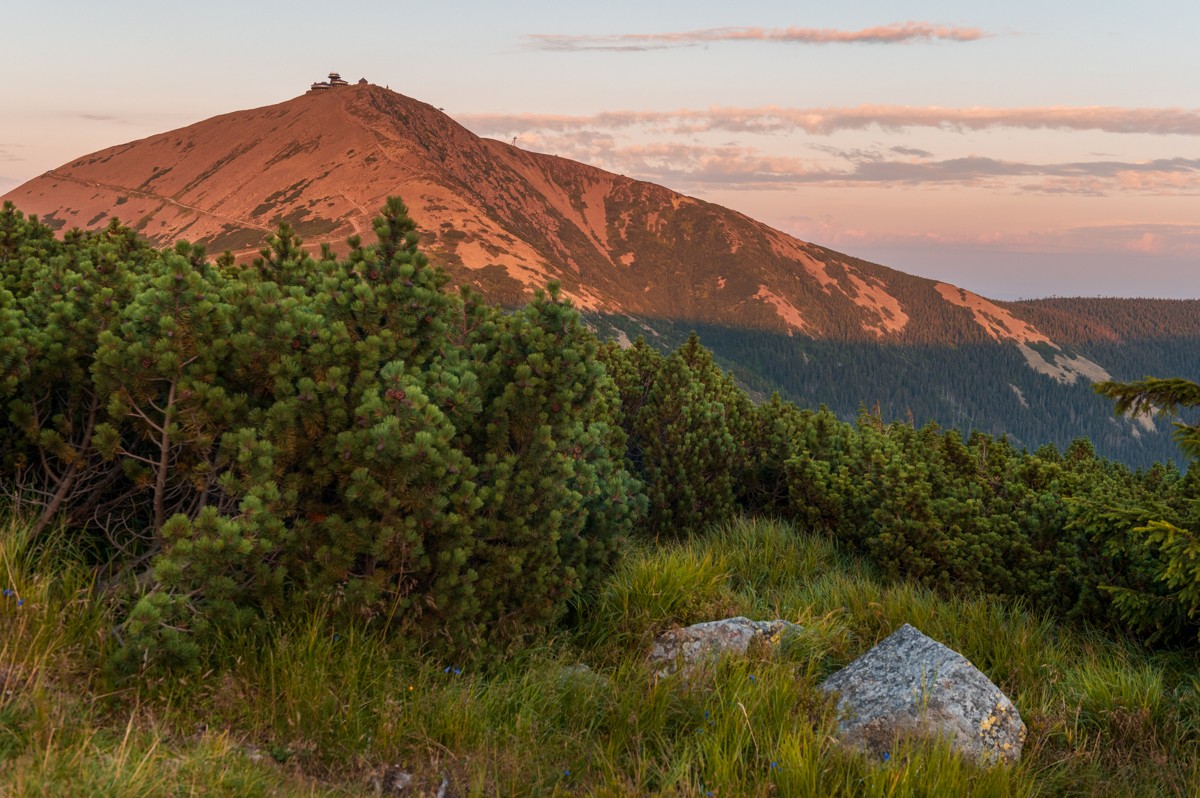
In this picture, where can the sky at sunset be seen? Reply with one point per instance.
(1017, 149)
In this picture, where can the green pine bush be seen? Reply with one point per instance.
(689, 428)
(239, 441)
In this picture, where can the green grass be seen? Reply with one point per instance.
(319, 709)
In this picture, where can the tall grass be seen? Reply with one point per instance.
(318, 708)
(63, 732)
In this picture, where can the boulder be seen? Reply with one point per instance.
(912, 686)
(704, 643)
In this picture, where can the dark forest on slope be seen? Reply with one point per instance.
(976, 385)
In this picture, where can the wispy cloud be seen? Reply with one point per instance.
(913, 151)
(697, 166)
(138, 119)
(1146, 239)
(1181, 172)
(98, 117)
(895, 33)
(824, 121)
(1151, 239)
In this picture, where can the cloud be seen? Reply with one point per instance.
(98, 117)
(140, 118)
(689, 163)
(1174, 240)
(1141, 228)
(824, 121)
(913, 151)
(1132, 175)
(692, 165)
(1147, 238)
(895, 33)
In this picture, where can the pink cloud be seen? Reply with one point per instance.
(1169, 240)
(1148, 243)
(691, 165)
(895, 33)
(823, 121)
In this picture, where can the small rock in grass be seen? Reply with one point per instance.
(392, 780)
(703, 643)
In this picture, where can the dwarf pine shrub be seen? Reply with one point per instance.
(688, 427)
(238, 440)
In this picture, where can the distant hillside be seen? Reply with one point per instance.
(983, 386)
(1084, 320)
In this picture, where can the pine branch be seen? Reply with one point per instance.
(1151, 395)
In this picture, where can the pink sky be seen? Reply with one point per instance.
(1019, 149)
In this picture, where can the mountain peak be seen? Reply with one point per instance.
(498, 217)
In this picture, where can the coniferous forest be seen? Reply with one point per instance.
(338, 517)
(967, 385)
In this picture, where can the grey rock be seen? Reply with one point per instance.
(580, 671)
(580, 676)
(703, 643)
(910, 685)
(392, 780)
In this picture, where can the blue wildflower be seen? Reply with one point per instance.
(886, 756)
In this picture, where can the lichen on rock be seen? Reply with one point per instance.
(703, 643)
(910, 685)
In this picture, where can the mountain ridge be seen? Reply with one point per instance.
(501, 218)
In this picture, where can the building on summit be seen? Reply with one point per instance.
(334, 81)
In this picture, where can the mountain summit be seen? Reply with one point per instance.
(501, 218)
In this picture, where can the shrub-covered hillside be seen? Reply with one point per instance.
(226, 441)
(305, 455)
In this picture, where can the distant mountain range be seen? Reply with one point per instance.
(638, 258)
